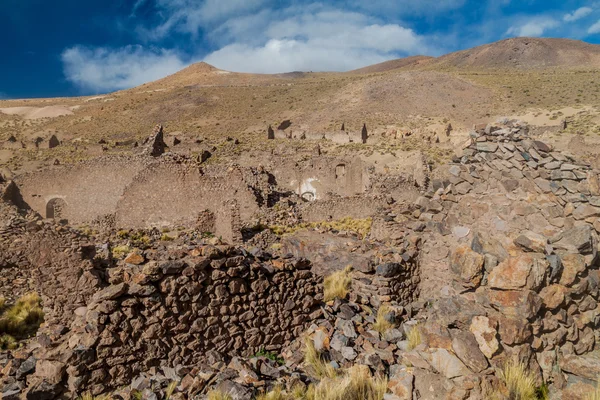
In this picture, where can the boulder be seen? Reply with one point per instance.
(468, 265)
(485, 333)
(553, 296)
(524, 271)
(466, 348)
(531, 241)
(576, 240)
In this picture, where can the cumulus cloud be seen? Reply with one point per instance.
(103, 69)
(581, 12)
(536, 26)
(318, 39)
(314, 37)
(594, 28)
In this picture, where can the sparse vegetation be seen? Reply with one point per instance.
(519, 382)
(166, 237)
(362, 227)
(270, 355)
(21, 320)
(381, 324)
(319, 367)
(414, 337)
(337, 284)
(121, 251)
(218, 395)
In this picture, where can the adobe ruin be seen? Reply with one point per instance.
(493, 258)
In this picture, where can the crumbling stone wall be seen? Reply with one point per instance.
(395, 281)
(89, 189)
(56, 262)
(174, 311)
(169, 193)
(334, 209)
(315, 178)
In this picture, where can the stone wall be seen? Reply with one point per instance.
(168, 194)
(86, 190)
(174, 308)
(359, 207)
(314, 179)
(57, 262)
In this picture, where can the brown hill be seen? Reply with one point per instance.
(525, 53)
(413, 61)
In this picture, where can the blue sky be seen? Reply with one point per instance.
(74, 47)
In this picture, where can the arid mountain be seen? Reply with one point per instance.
(526, 53)
(416, 93)
(413, 61)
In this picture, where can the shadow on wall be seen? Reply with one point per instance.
(55, 208)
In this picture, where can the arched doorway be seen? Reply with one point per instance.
(55, 208)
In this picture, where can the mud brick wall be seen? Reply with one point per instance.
(174, 312)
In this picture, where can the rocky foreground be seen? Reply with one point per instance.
(495, 265)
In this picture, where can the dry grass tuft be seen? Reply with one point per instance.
(218, 395)
(8, 342)
(170, 389)
(337, 284)
(381, 324)
(21, 320)
(595, 395)
(361, 227)
(356, 384)
(414, 337)
(2, 303)
(519, 382)
(315, 362)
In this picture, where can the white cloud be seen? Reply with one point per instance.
(103, 69)
(594, 28)
(324, 40)
(535, 26)
(581, 12)
(189, 16)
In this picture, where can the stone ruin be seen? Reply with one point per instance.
(495, 261)
(340, 137)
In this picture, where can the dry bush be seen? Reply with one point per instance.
(23, 318)
(595, 395)
(356, 383)
(381, 324)
(315, 362)
(218, 395)
(7, 342)
(414, 337)
(519, 382)
(361, 227)
(337, 284)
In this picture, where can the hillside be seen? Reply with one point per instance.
(413, 61)
(525, 53)
(418, 94)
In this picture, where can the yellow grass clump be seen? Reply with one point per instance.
(595, 395)
(356, 383)
(315, 362)
(22, 319)
(381, 324)
(217, 395)
(361, 227)
(337, 284)
(519, 382)
(414, 337)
